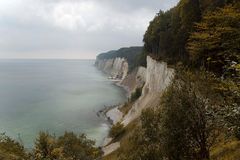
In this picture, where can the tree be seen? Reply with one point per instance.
(44, 147)
(216, 42)
(185, 125)
(11, 149)
(78, 147)
(68, 146)
(189, 123)
(167, 34)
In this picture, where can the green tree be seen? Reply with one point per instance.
(167, 34)
(68, 146)
(78, 147)
(216, 42)
(44, 147)
(11, 149)
(186, 124)
(189, 121)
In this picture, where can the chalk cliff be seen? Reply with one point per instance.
(153, 80)
(117, 68)
(157, 77)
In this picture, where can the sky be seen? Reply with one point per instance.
(73, 29)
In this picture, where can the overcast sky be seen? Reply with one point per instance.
(73, 28)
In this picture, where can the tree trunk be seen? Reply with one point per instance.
(204, 153)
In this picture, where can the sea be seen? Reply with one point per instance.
(54, 96)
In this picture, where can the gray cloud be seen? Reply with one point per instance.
(73, 28)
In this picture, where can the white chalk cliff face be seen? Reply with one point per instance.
(116, 68)
(154, 79)
(157, 78)
(135, 79)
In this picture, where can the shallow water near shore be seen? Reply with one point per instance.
(54, 96)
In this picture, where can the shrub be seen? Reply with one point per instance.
(184, 126)
(135, 95)
(68, 146)
(11, 149)
(117, 130)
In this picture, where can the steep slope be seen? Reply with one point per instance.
(157, 77)
(153, 80)
(117, 68)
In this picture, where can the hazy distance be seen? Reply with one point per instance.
(73, 28)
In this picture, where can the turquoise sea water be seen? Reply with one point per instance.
(54, 96)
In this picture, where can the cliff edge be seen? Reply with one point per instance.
(152, 79)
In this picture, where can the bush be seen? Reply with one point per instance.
(117, 130)
(237, 133)
(68, 146)
(135, 95)
(184, 126)
(11, 149)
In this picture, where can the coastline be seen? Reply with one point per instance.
(112, 115)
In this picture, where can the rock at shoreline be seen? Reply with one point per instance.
(115, 115)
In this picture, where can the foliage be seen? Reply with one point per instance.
(125, 108)
(44, 147)
(78, 147)
(117, 130)
(190, 120)
(146, 141)
(226, 151)
(216, 42)
(167, 34)
(68, 146)
(135, 95)
(48, 147)
(195, 109)
(11, 149)
(126, 143)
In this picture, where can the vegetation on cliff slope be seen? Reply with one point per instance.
(10, 149)
(49, 147)
(191, 120)
(116, 130)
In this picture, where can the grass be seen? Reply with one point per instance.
(126, 107)
(124, 141)
(226, 151)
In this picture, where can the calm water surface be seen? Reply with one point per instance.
(54, 96)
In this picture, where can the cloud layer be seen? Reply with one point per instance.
(73, 28)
